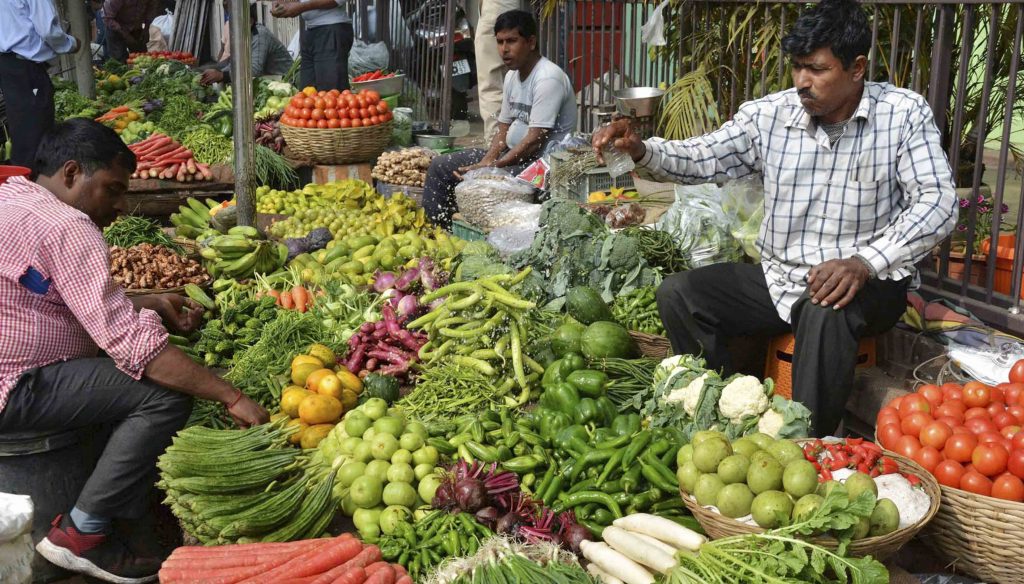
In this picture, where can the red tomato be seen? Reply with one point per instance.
(895, 402)
(347, 92)
(296, 101)
(948, 472)
(1017, 411)
(361, 100)
(1015, 462)
(932, 393)
(321, 123)
(1012, 392)
(976, 413)
(957, 404)
(357, 123)
(950, 421)
(950, 411)
(952, 391)
(914, 423)
(375, 120)
(388, 117)
(994, 409)
(1004, 419)
(330, 102)
(331, 114)
(913, 403)
(975, 482)
(997, 394)
(1017, 442)
(1009, 487)
(928, 457)
(990, 438)
(383, 107)
(1017, 372)
(885, 420)
(305, 113)
(976, 394)
(961, 429)
(345, 122)
(935, 435)
(342, 113)
(980, 425)
(887, 411)
(371, 95)
(367, 122)
(888, 435)
(907, 446)
(319, 103)
(990, 459)
(309, 102)
(318, 114)
(321, 93)
(1009, 432)
(960, 447)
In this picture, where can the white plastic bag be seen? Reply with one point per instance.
(165, 22)
(701, 228)
(15, 516)
(365, 57)
(988, 365)
(16, 560)
(484, 190)
(653, 31)
(743, 202)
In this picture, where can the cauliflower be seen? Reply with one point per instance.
(770, 423)
(688, 395)
(743, 397)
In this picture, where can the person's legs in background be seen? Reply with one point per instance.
(438, 199)
(28, 98)
(329, 46)
(117, 46)
(307, 72)
(825, 355)
(490, 71)
(702, 309)
(346, 37)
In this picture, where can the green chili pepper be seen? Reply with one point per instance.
(592, 497)
(588, 459)
(602, 517)
(635, 448)
(613, 462)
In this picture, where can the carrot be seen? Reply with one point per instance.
(234, 549)
(338, 551)
(355, 575)
(374, 567)
(191, 165)
(205, 169)
(148, 145)
(275, 294)
(369, 555)
(399, 569)
(404, 579)
(301, 297)
(287, 301)
(239, 560)
(385, 575)
(180, 176)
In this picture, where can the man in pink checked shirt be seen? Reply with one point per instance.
(58, 309)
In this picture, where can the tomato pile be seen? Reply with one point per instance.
(968, 436)
(183, 56)
(335, 109)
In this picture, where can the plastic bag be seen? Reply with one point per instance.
(16, 560)
(515, 237)
(165, 22)
(483, 190)
(700, 226)
(364, 58)
(15, 516)
(653, 31)
(743, 202)
(401, 131)
(988, 365)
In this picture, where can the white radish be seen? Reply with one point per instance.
(655, 543)
(637, 550)
(662, 529)
(615, 563)
(601, 575)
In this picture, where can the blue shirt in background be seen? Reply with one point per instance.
(33, 32)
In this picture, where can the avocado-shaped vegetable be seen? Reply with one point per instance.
(225, 219)
(380, 386)
(566, 339)
(603, 340)
(585, 305)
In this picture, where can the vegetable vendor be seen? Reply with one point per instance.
(30, 35)
(127, 24)
(857, 191)
(62, 308)
(325, 39)
(269, 55)
(538, 108)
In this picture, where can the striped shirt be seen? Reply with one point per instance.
(57, 300)
(884, 191)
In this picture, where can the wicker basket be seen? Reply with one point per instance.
(652, 346)
(982, 536)
(881, 547)
(338, 145)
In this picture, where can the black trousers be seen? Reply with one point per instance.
(703, 308)
(118, 47)
(28, 96)
(94, 392)
(324, 52)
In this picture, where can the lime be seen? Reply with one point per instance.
(800, 478)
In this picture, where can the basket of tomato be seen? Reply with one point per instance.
(336, 127)
(970, 438)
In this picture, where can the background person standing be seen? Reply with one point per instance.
(325, 40)
(30, 35)
(490, 70)
(127, 23)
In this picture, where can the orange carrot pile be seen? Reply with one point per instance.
(114, 113)
(161, 157)
(297, 298)
(340, 560)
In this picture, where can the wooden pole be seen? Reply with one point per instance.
(241, 82)
(79, 21)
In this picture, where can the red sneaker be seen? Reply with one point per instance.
(101, 556)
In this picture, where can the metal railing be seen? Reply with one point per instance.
(964, 57)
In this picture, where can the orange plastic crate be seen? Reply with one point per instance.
(779, 361)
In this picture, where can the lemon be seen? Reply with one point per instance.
(323, 353)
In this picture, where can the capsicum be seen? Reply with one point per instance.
(572, 362)
(572, 438)
(562, 397)
(608, 410)
(588, 411)
(589, 382)
(626, 424)
(553, 374)
(550, 422)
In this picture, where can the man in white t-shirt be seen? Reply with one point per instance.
(538, 108)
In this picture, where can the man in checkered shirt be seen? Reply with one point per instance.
(857, 190)
(58, 308)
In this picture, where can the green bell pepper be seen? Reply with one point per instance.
(553, 374)
(572, 362)
(587, 411)
(550, 422)
(572, 438)
(602, 434)
(626, 424)
(608, 410)
(561, 397)
(589, 382)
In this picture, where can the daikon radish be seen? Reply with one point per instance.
(638, 550)
(663, 529)
(601, 575)
(615, 563)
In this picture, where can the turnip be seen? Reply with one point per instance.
(662, 529)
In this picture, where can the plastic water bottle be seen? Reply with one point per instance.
(617, 162)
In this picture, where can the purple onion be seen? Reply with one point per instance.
(407, 305)
(383, 281)
(407, 278)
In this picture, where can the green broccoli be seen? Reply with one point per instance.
(624, 252)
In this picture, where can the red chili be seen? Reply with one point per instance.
(826, 475)
(874, 472)
(854, 441)
(914, 480)
(863, 467)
